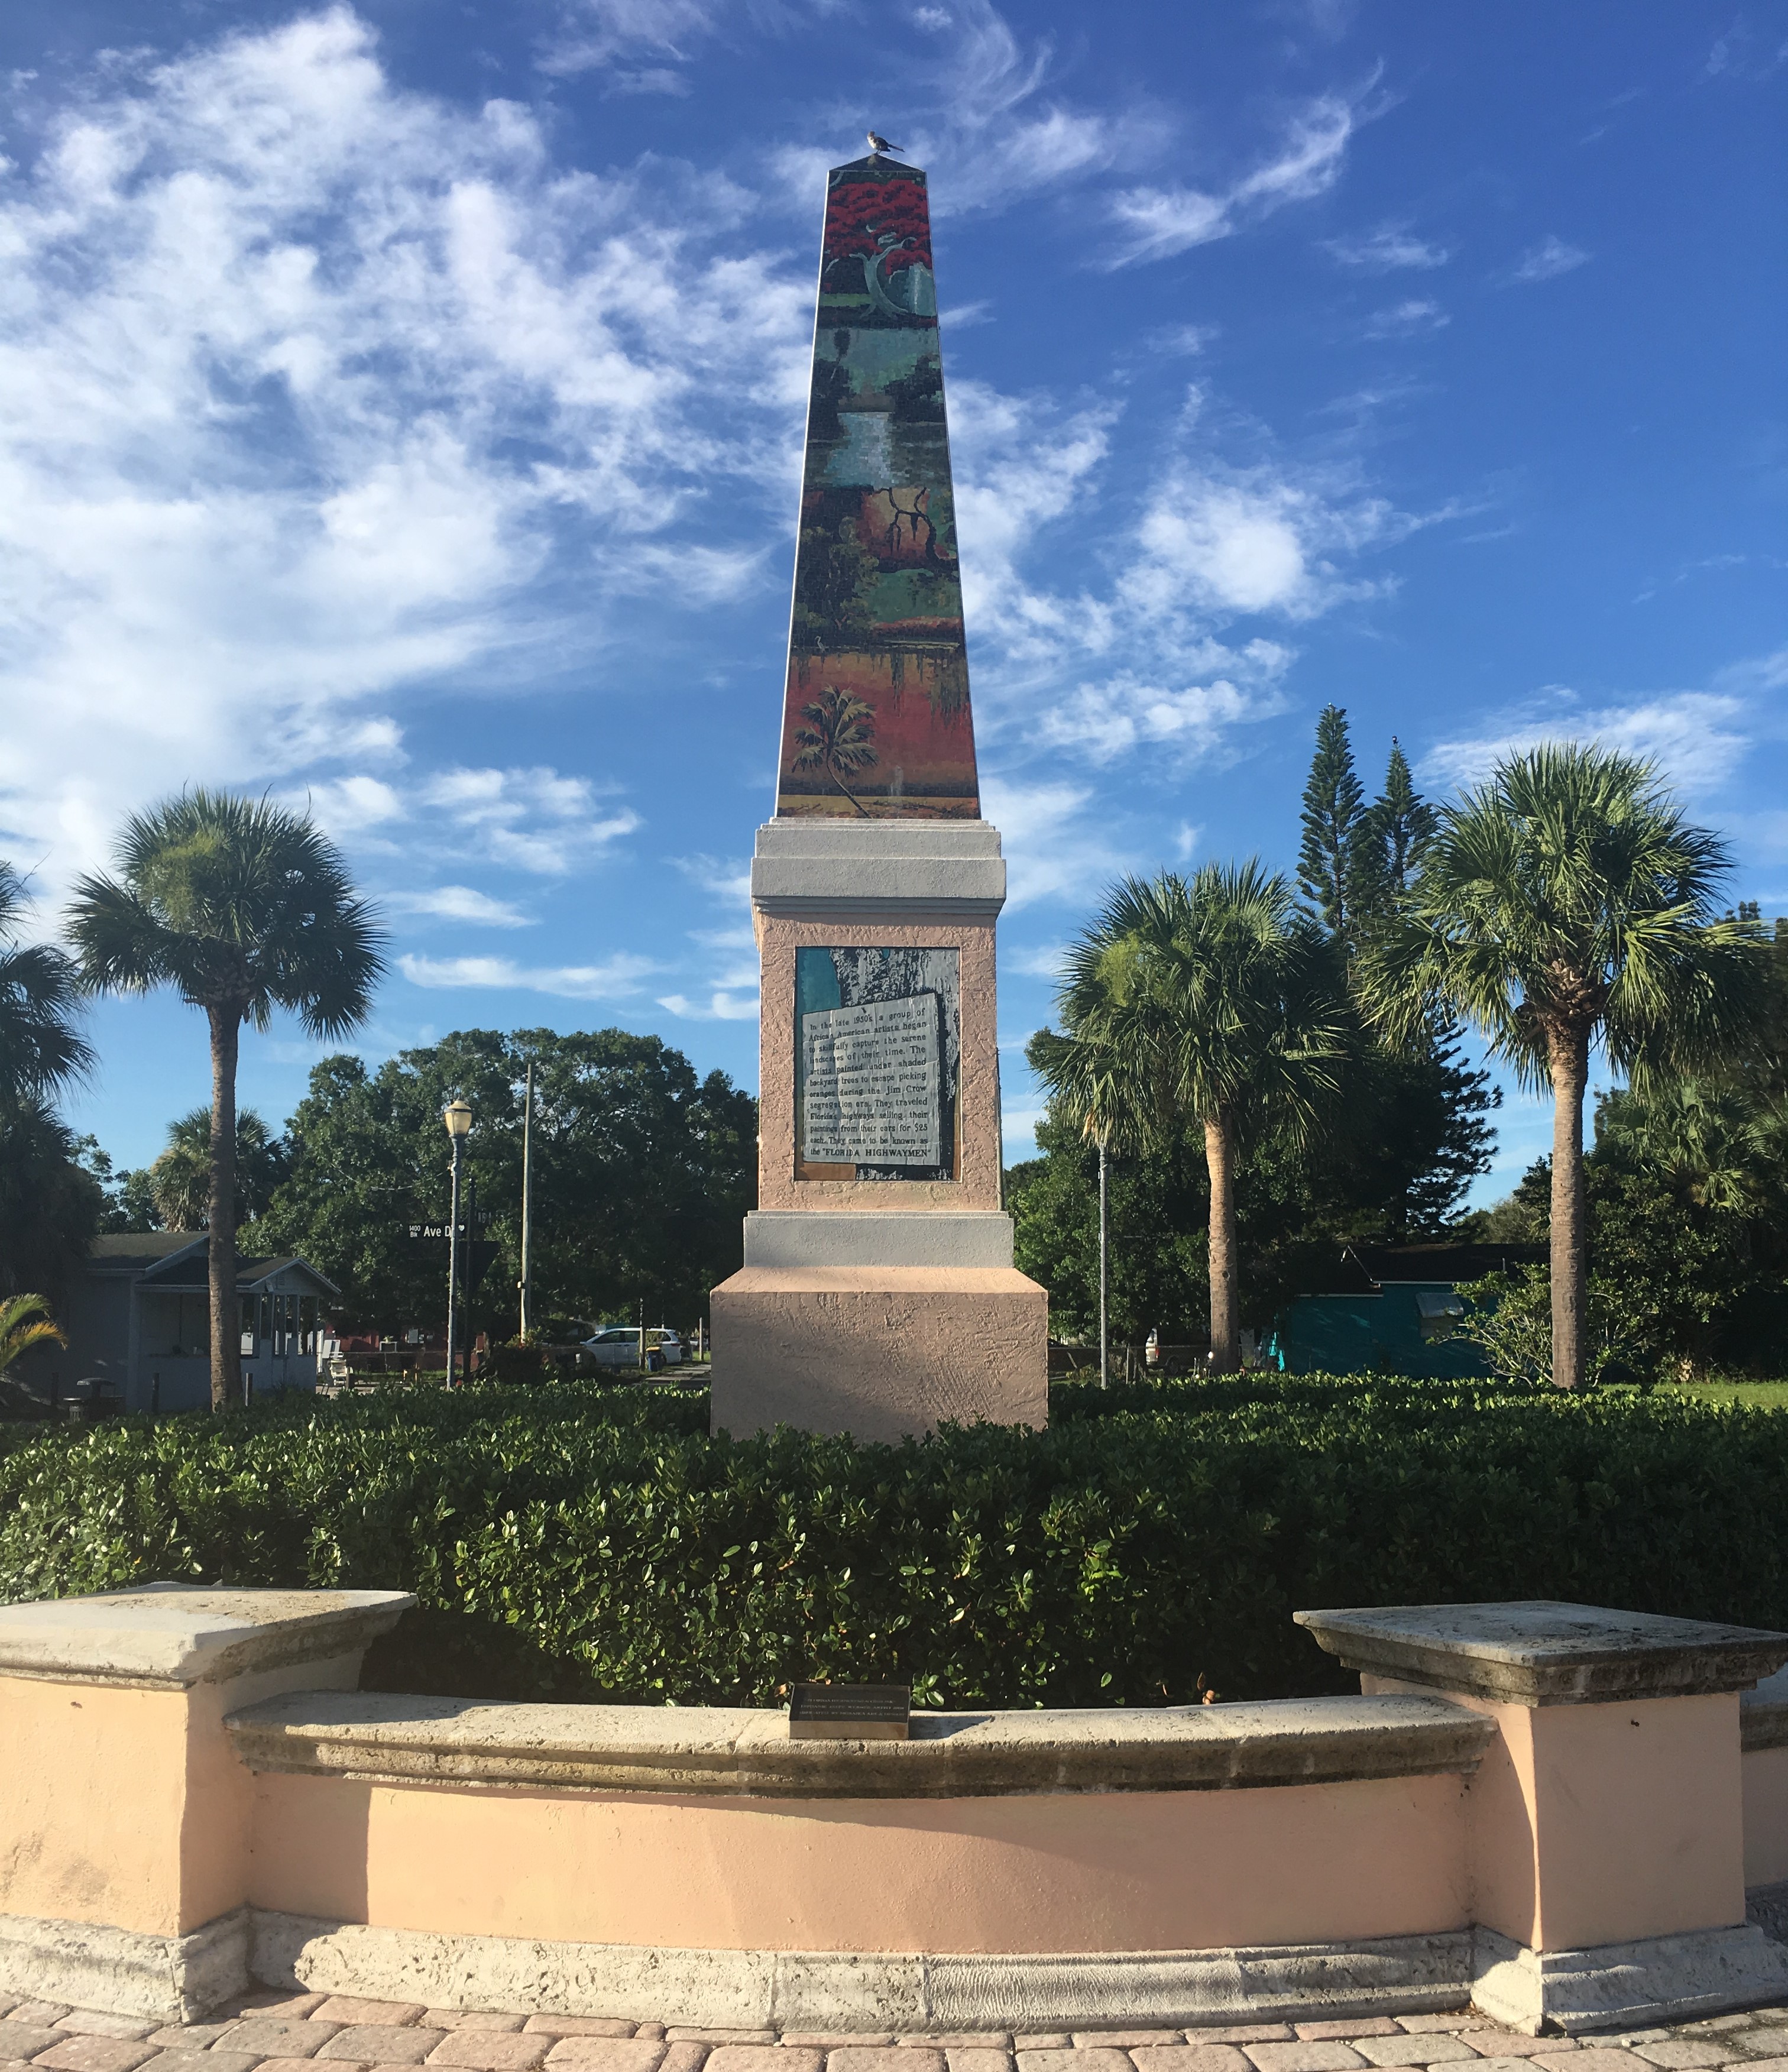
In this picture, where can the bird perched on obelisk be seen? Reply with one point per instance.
(881, 144)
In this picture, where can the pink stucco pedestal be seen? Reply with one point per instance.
(1606, 1828)
(871, 1303)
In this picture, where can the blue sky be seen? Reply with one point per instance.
(401, 407)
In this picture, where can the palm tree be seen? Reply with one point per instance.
(1214, 1001)
(1565, 903)
(838, 736)
(179, 1180)
(39, 992)
(242, 907)
(24, 1322)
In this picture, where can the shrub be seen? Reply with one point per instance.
(583, 1541)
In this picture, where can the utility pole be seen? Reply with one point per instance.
(527, 1190)
(1104, 1353)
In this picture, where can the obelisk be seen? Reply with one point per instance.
(877, 1295)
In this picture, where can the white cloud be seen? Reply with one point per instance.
(537, 820)
(1043, 960)
(1175, 341)
(532, 820)
(309, 381)
(1410, 319)
(1696, 737)
(1252, 539)
(460, 903)
(1136, 662)
(719, 1006)
(1110, 719)
(1386, 250)
(600, 32)
(1055, 848)
(1155, 223)
(617, 977)
(1547, 259)
(724, 878)
(1186, 838)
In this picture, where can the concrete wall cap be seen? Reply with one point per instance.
(1540, 1653)
(708, 1748)
(179, 1634)
(829, 868)
(878, 839)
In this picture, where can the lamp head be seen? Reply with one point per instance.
(457, 1116)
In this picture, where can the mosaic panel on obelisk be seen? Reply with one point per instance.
(876, 718)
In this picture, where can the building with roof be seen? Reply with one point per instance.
(1392, 1310)
(137, 1316)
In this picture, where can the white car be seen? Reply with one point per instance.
(619, 1346)
(616, 1346)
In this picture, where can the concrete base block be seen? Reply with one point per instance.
(806, 1989)
(1626, 1985)
(153, 1977)
(879, 1352)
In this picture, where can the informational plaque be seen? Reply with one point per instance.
(849, 1712)
(873, 1084)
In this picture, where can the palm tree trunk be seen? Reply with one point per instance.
(839, 781)
(1569, 1060)
(226, 1318)
(1226, 1345)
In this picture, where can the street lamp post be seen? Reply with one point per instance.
(457, 1116)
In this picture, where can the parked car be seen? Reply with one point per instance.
(616, 1346)
(619, 1345)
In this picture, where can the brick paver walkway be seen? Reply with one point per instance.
(272, 2031)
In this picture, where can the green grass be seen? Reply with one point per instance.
(1762, 1395)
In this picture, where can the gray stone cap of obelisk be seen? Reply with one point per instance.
(1539, 1652)
(814, 867)
(803, 1238)
(165, 1635)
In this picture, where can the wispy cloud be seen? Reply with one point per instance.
(1386, 250)
(617, 977)
(1157, 223)
(1414, 318)
(1057, 843)
(1697, 738)
(1547, 259)
(539, 820)
(721, 1005)
(460, 902)
(623, 33)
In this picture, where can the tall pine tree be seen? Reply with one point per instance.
(1331, 862)
(1400, 825)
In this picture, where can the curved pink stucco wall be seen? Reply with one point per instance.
(1090, 1872)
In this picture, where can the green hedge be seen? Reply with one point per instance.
(584, 1541)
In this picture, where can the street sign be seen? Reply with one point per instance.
(475, 1253)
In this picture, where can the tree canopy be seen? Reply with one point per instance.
(642, 1172)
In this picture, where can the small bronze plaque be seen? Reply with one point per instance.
(849, 1712)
